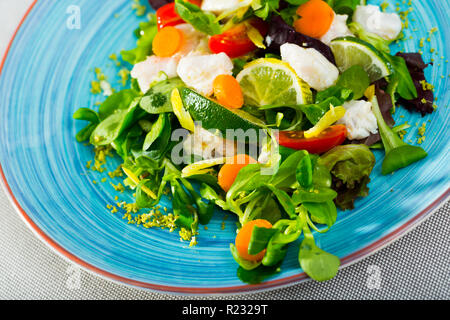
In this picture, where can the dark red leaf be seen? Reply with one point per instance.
(156, 4)
(425, 98)
(280, 33)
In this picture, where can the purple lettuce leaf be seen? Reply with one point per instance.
(280, 33)
(425, 98)
(156, 4)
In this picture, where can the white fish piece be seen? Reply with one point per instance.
(387, 25)
(193, 39)
(310, 65)
(359, 119)
(337, 29)
(199, 72)
(150, 69)
(220, 6)
(208, 144)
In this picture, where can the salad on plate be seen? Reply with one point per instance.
(268, 109)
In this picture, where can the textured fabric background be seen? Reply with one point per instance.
(416, 266)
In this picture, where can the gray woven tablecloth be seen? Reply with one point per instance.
(416, 266)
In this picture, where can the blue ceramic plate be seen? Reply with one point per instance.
(46, 76)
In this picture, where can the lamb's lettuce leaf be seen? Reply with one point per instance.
(344, 6)
(355, 79)
(146, 33)
(201, 20)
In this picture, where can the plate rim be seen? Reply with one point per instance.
(346, 261)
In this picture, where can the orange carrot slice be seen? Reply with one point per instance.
(167, 41)
(244, 236)
(230, 170)
(315, 19)
(228, 92)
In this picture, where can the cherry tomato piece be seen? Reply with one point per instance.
(167, 16)
(235, 42)
(328, 139)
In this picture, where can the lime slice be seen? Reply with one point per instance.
(272, 82)
(351, 51)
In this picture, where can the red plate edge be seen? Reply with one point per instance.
(274, 284)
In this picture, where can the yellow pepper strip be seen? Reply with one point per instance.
(183, 116)
(136, 180)
(201, 166)
(370, 92)
(330, 117)
(254, 35)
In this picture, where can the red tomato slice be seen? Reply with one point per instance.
(167, 15)
(328, 139)
(235, 42)
(198, 3)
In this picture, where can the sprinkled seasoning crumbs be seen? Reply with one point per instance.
(155, 218)
(101, 84)
(421, 42)
(95, 87)
(433, 30)
(100, 158)
(151, 219)
(124, 75)
(404, 16)
(116, 173)
(426, 86)
(421, 133)
(113, 57)
(140, 8)
(118, 187)
(187, 235)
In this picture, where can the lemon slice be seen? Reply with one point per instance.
(269, 81)
(178, 109)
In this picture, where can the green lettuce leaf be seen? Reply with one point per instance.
(372, 38)
(350, 166)
(146, 33)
